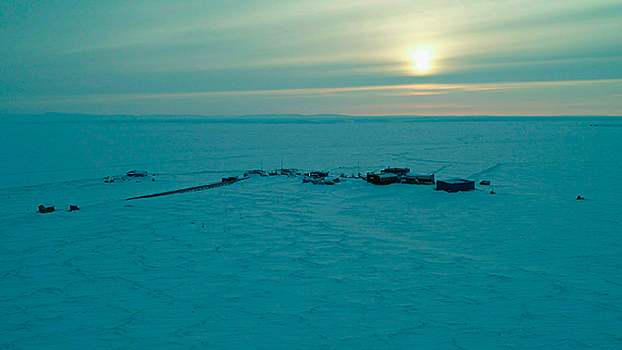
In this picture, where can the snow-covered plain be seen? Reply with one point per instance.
(272, 263)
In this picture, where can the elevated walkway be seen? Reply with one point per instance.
(191, 189)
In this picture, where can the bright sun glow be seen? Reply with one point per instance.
(422, 58)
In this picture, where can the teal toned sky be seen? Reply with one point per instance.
(233, 57)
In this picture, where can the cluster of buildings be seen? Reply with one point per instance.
(277, 172)
(385, 177)
(402, 175)
(398, 175)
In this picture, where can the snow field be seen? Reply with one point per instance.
(274, 263)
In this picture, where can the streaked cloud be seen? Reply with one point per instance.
(589, 97)
(292, 49)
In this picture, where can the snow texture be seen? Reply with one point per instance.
(272, 263)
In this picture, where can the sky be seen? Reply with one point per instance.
(363, 57)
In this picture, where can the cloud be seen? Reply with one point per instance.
(588, 97)
(284, 49)
(386, 90)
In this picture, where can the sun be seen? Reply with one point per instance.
(422, 58)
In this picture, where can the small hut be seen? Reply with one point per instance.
(455, 185)
(288, 172)
(136, 173)
(46, 209)
(318, 174)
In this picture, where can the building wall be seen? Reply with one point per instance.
(465, 185)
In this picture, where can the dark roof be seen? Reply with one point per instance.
(455, 181)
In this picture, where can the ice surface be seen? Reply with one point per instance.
(272, 263)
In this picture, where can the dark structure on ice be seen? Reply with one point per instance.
(398, 175)
(224, 182)
(259, 172)
(136, 173)
(419, 179)
(130, 175)
(43, 209)
(455, 185)
(382, 179)
(317, 174)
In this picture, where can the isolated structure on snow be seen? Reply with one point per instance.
(455, 185)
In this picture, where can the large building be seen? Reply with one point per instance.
(455, 185)
(382, 179)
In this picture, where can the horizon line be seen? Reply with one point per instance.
(76, 117)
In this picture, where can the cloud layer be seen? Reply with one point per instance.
(246, 57)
